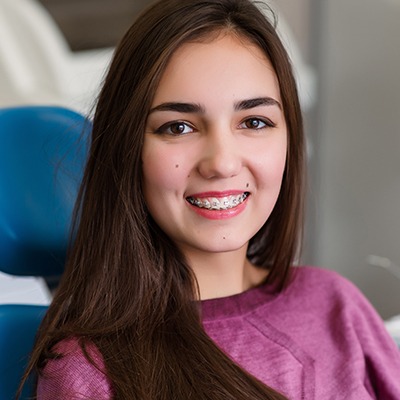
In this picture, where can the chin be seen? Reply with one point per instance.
(222, 245)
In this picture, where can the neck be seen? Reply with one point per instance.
(224, 274)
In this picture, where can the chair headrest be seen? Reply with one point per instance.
(42, 155)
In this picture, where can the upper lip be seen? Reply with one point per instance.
(218, 194)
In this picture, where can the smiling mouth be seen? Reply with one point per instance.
(222, 203)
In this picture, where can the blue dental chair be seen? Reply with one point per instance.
(43, 150)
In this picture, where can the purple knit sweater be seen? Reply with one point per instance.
(319, 339)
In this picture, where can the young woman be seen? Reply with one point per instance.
(180, 284)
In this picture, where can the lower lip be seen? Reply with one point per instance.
(220, 214)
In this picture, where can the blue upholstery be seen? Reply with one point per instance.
(42, 155)
(18, 326)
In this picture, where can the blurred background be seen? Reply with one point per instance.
(354, 133)
(347, 59)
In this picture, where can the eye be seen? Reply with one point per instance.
(256, 123)
(175, 128)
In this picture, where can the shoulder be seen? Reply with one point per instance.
(317, 275)
(324, 282)
(357, 327)
(336, 298)
(331, 294)
(75, 374)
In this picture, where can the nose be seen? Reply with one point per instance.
(221, 155)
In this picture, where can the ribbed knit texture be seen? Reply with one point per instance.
(319, 339)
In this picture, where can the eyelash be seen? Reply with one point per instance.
(266, 121)
(163, 129)
(166, 128)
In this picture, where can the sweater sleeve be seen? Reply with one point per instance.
(382, 356)
(72, 376)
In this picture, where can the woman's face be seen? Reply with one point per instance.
(215, 145)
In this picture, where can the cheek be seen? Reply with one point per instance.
(277, 167)
(270, 165)
(162, 170)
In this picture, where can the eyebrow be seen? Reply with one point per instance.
(194, 108)
(189, 108)
(259, 101)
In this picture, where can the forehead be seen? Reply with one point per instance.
(221, 64)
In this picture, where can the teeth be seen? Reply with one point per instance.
(213, 203)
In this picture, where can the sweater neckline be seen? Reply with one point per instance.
(238, 304)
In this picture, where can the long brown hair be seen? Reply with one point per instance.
(126, 287)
